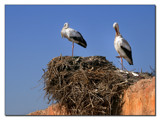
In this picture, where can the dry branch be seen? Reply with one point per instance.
(86, 85)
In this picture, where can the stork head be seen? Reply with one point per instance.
(116, 27)
(66, 25)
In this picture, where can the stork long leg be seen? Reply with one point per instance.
(72, 48)
(122, 62)
(118, 56)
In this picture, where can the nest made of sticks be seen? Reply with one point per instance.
(86, 85)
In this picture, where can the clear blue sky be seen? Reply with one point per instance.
(32, 39)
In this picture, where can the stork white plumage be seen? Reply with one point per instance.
(73, 36)
(122, 46)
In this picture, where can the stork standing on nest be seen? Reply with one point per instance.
(122, 46)
(73, 36)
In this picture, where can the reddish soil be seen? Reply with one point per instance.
(140, 98)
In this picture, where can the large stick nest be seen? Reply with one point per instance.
(87, 85)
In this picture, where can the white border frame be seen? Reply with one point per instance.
(71, 2)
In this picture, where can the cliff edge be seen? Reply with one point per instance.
(94, 86)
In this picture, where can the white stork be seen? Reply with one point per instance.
(73, 36)
(122, 46)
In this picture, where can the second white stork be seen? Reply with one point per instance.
(73, 36)
(122, 46)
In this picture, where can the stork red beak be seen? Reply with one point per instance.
(61, 35)
(117, 32)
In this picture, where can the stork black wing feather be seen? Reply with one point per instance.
(79, 40)
(128, 53)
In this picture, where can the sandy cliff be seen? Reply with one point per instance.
(94, 86)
